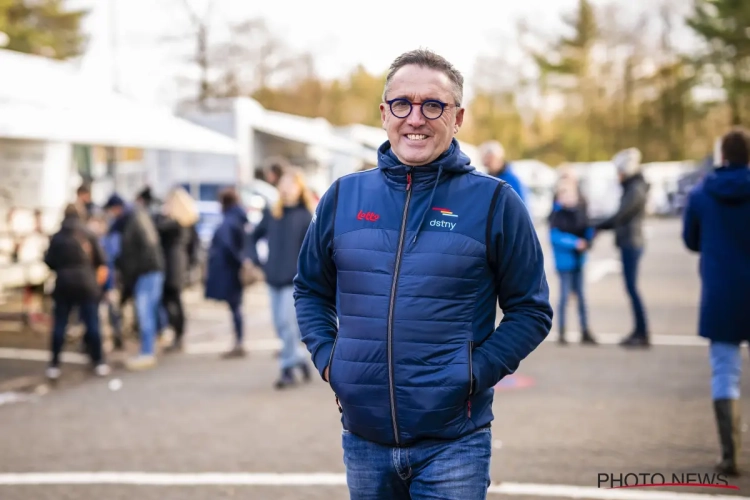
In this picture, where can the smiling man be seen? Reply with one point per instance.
(397, 307)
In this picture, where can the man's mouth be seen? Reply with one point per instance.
(416, 137)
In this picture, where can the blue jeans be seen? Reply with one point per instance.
(448, 470)
(726, 370)
(147, 295)
(572, 281)
(235, 308)
(88, 313)
(630, 259)
(285, 322)
(115, 317)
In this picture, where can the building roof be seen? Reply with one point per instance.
(45, 99)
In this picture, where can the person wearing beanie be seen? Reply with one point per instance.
(627, 223)
(715, 224)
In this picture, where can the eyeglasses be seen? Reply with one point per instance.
(432, 109)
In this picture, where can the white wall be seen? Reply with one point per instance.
(35, 174)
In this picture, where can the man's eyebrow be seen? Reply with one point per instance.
(410, 99)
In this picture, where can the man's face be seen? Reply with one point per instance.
(84, 197)
(415, 139)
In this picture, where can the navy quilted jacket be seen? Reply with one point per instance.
(396, 288)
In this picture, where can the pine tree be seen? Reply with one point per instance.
(43, 28)
(725, 25)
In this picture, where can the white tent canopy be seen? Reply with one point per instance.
(44, 99)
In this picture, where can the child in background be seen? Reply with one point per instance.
(571, 236)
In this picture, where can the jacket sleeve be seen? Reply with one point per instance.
(193, 246)
(258, 234)
(234, 244)
(51, 255)
(630, 204)
(523, 294)
(562, 239)
(315, 283)
(691, 230)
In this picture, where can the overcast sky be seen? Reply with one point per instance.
(340, 33)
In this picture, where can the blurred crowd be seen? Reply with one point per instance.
(147, 251)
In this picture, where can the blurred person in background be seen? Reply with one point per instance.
(77, 259)
(285, 226)
(225, 261)
(571, 235)
(716, 224)
(86, 207)
(110, 243)
(274, 169)
(174, 224)
(146, 199)
(141, 267)
(627, 224)
(493, 157)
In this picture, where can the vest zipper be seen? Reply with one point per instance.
(392, 304)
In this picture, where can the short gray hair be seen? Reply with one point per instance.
(427, 59)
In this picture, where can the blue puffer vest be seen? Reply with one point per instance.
(396, 293)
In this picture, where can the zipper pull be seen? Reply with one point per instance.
(468, 407)
(408, 181)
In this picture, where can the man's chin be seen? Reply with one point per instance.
(415, 159)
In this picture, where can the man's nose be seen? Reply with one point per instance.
(415, 118)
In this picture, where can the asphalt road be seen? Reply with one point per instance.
(569, 414)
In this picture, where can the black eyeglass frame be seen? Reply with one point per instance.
(442, 105)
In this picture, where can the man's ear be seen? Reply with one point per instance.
(459, 120)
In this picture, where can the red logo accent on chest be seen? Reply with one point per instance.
(368, 216)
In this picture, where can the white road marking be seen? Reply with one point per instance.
(596, 270)
(326, 479)
(41, 355)
(271, 345)
(656, 340)
(8, 398)
(219, 346)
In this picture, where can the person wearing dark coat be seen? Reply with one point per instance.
(174, 242)
(715, 224)
(141, 267)
(285, 226)
(77, 259)
(225, 260)
(627, 224)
